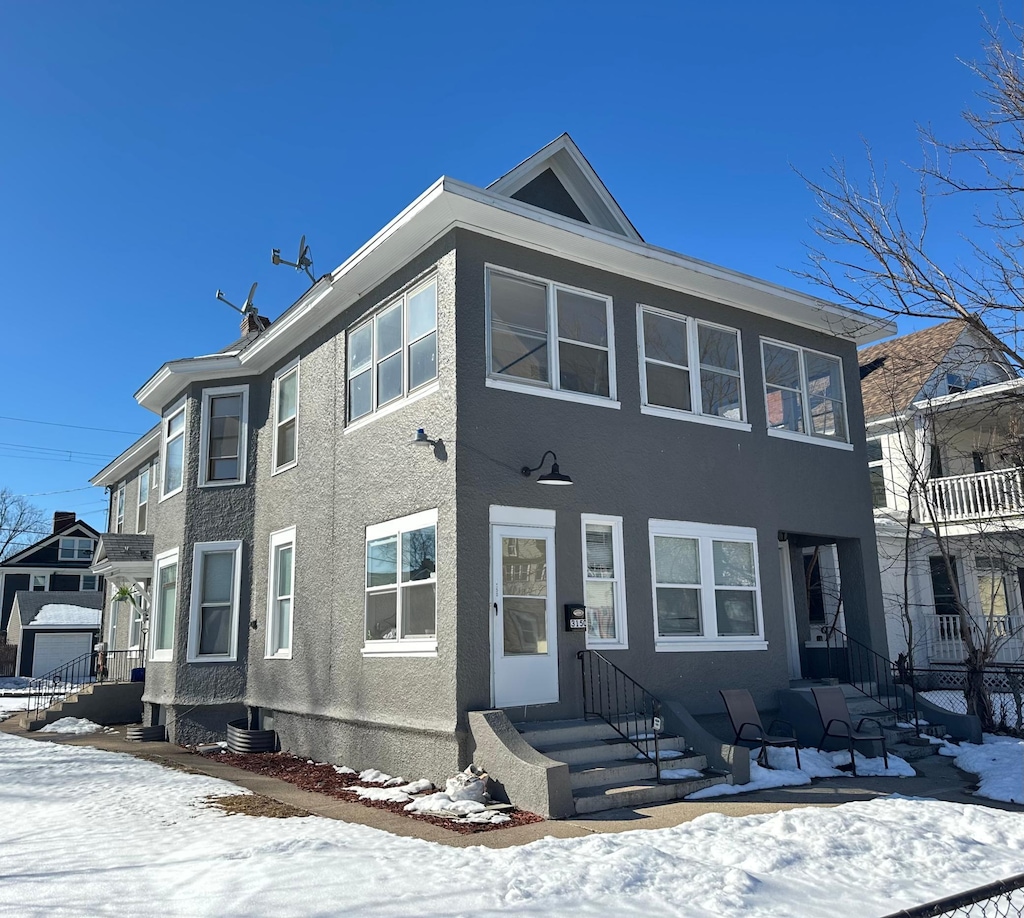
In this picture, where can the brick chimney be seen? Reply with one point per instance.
(62, 520)
(253, 322)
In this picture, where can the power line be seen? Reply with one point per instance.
(48, 459)
(65, 491)
(70, 426)
(55, 449)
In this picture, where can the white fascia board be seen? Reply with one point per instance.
(173, 375)
(116, 471)
(971, 396)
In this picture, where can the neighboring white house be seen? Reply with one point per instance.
(943, 410)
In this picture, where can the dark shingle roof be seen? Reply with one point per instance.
(125, 546)
(893, 373)
(31, 603)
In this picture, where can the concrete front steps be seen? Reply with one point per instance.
(902, 741)
(101, 702)
(607, 772)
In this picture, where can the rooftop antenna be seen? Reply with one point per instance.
(248, 309)
(302, 263)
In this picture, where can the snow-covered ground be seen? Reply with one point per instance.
(86, 832)
(998, 763)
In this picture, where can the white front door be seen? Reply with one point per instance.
(524, 634)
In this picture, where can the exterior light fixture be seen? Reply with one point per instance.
(554, 477)
(421, 438)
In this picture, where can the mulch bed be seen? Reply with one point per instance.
(321, 778)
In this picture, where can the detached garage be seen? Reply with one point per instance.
(53, 628)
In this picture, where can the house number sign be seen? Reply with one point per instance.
(575, 617)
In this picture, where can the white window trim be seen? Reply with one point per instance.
(551, 389)
(711, 640)
(406, 647)
(180, 407)
(81, 583)
(200, 549)
(204, 436)
(74, 549)
(144, 503)
(807, 436)
(32, 586)
(408, 394)
(278, 540)
(286, 370)
(391, 407)
(880, 464)
(521, 516)
(164, 559)
(621, 639)
(119, 507)
(691, 324)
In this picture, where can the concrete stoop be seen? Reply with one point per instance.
(902, 741)
(103, 703)
(607, 772)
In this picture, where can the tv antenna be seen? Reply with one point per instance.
(302, 263)
(246, 310)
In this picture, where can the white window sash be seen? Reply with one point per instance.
(206, 433)
(808, 432)
(165, 443)
(281, 376)
(197, 604)
(275, 650)
(164, 559)
(618, 582)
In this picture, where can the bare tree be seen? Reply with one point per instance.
(873, 248)
(18, 519)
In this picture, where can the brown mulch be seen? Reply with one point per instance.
(321, 778)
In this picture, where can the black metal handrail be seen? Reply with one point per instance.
(622, 703)
(95, 666)
(873, 675)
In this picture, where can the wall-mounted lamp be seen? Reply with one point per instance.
(421, 438)
(554, 477)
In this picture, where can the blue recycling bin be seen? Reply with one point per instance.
(139, 674)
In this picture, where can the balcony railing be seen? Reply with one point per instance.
(984, 495)
(946, 645)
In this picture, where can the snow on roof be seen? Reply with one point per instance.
(61, 614)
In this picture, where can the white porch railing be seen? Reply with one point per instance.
(975, 497)
(945, 644)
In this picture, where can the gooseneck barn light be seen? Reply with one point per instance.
(553, 477)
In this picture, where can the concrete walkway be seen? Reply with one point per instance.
(937, 778)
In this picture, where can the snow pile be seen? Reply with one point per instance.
(665, 754)
(679, 774)
(372, 776)
(344, 770)
(998, 763)
(465, 795)
(77, 725)
(387, 794)
(55, 614)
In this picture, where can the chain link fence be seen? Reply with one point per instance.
(1002, 899)
(944, 687)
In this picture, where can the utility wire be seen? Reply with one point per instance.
(71, 426)
(54, 449)
(65, 491)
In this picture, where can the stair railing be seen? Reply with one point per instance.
(874, 675)
(91, 667)
(622, 703)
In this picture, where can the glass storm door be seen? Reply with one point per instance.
(524, 636)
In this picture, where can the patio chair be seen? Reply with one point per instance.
(747, 724)
(835, 718)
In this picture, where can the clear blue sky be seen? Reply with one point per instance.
(152, 153)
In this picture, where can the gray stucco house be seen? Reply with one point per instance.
(317, 571)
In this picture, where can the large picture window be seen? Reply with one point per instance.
(286, 410)
(706, 587)
(547, 337)
(401, 585)
(223, 434)
(804, 394)
(165, 604)
(281, 594)
(689, 368)
(603, 582)
(213, 613)
(173, 449)
(394, 354)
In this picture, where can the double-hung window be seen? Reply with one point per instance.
(549, 338)
(689, 368)
(173, 450)
(223, 434)
(286, 411)
(143, 511)
(876, 469)
(604, 587)
(119, 508)
(165, 606)
(394, 354)
(89, 583)
(401, 585)
(213, 613)
(803, 392)
(39, 582)
(706, 587)
(280, 594)
(76, 549)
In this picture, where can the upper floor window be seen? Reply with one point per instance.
(173, 449)
(143, 511)
(119, 508)
(689, 368)
(213, 613)
(39, 582)
(876, 469)
(401, 585)
(281, 594)
(956, 383)
(165, 605)
(604, 587)
(222, 436)
(89, 583)
(804, 393)
(286, 410)
(394, 353)
(706, 589)
(76, 549)
(548, 337)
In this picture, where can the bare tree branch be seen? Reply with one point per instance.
(18, 518)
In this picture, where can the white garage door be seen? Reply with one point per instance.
(53, 650)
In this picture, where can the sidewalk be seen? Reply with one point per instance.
(937, 778)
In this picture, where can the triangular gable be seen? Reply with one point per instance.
(78, 529)
(559, 179)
